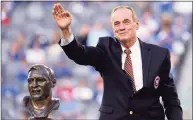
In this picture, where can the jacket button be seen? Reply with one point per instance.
(130, 112)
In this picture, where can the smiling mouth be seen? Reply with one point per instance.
(122, 33)
(35, 91)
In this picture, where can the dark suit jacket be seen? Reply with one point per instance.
(118, 100)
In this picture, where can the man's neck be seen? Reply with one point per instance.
(42, 104)
(128, 43)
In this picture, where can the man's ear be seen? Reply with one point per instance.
(137, 24)
(54, 82)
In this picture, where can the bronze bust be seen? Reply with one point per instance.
(40, 82)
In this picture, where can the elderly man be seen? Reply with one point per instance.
(40, 82)
(135, 74)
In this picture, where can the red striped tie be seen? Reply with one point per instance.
(128, 68)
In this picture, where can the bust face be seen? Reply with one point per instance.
(39, 84)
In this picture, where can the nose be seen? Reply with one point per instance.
(122, 27)
(34, 83)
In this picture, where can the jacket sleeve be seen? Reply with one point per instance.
(168, 91)
(84, 55)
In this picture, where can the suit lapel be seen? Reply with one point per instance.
(117, 51)
(115, 47)
(146, 59)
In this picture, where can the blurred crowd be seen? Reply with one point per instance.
(30, 36)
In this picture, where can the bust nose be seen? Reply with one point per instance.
(34, 83)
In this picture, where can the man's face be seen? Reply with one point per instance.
(124, 26)
(39, 85)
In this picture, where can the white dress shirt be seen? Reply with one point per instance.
(135, 59)
(66, 42)
(136, 63)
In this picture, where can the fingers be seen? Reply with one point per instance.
(54, 14)
(60, 9)
(57, 10)
(59, 13)
(68, 14)
(65, 14)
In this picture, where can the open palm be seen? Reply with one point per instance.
(62, 18)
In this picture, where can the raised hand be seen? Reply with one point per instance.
(62, 17)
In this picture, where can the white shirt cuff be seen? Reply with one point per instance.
(66, 42)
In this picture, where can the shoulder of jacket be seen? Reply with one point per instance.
(157, 47)
(108, 39)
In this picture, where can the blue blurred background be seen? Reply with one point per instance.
(29, 35)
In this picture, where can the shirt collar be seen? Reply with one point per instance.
(135, 45)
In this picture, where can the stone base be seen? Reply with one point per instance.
(41, 119)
